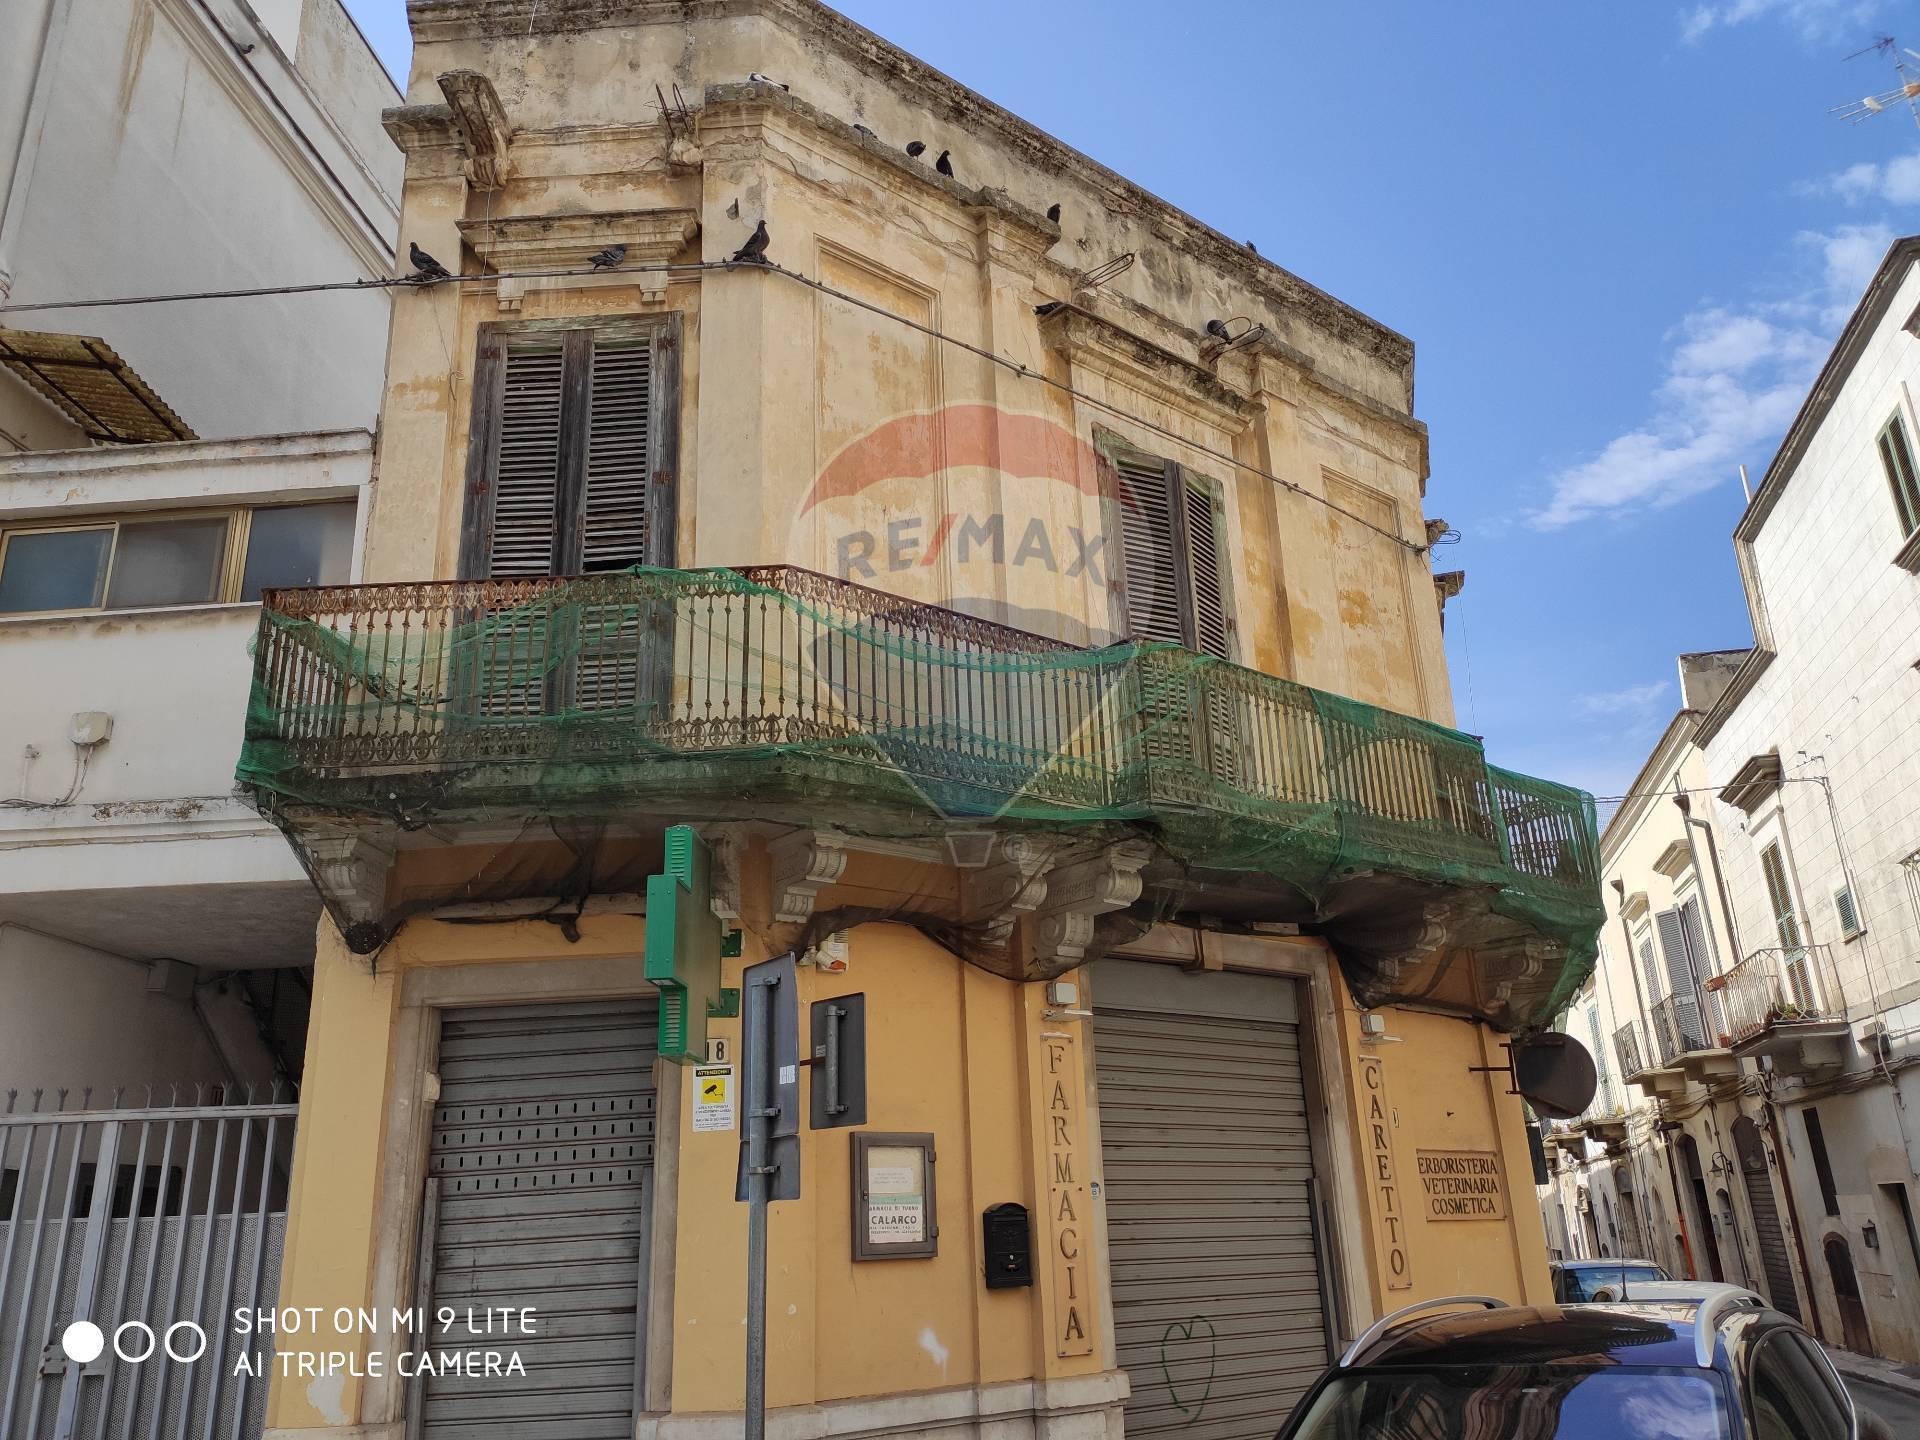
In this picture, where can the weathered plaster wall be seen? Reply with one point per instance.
(782, 382)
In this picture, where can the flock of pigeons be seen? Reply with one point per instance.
(429, 271)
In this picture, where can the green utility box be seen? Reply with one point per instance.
(684, 947)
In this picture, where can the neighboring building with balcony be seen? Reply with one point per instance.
(1814, 759)
(1055, 675)
(1679, 1149)
(1760, 971)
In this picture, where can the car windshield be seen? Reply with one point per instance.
(1521, 1402)
(1605, 1282)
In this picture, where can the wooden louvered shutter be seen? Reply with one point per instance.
(1681, 973)
(570, 471)
(614, 513)
(523, 529)
(1206, 585)
(1149, 550)
(615, 519)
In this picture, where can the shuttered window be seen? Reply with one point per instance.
(1172, 555)
(1896, 458)
(1785, 923)
(1682, 973)
(570, 465)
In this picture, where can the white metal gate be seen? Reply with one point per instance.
(1220, 1298)
(539, 1195)
(155, 1224)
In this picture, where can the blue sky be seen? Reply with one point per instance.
(1621, 237)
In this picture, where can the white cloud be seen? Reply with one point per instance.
(1814, 19)
(1895, 183)
(1734, 378)
(1636, 702)
(1848, 256)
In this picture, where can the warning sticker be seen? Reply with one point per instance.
(712, 1097)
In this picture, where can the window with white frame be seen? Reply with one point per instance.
(172, 557)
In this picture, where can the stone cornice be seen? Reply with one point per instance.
(748, 104)
(942, 96)
(1099, 344)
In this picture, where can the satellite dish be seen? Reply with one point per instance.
(1555, 1073)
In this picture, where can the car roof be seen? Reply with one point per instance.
(1610, 1264)
(1620, 1334)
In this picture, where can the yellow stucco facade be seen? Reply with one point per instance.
(798, 409)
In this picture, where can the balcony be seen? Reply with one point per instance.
(1655, 1074)
(1786, 1003)
(385, 715)
(1626, 1050)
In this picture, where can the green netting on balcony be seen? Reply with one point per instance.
(776, 693)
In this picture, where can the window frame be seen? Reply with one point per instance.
(1848, 933)
(233, 557)
(1905, 488)
(575, 336)
(1836, 1392)
(1180, 479)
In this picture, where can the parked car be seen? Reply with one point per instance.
(1574, 1281)
(1723, 1370)
(1673, 1292)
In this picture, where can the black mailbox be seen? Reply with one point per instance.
(1009, 1246)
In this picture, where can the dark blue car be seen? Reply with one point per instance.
(1726, 1369)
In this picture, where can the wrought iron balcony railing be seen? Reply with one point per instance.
(777, 693)
(566, 680)
(1677, 1028)
(1626, 1049)
(1780, 986)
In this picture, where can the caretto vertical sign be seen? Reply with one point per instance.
(1376, 1143)
(1068, 1221)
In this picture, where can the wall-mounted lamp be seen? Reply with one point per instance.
(1373, 1030)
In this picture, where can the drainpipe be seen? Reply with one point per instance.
(1640, 999)
(1685, 802)
(1633, 965)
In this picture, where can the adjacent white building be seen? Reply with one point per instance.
(1814, 753)
(1759, 986)
(159, 146)
(160, 464)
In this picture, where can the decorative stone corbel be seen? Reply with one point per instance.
(1446, 585)
(350, 870)
(1013, 884)
(1080, 892)
(804, 863)
(483, 125)
(724, 877)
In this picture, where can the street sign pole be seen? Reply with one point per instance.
(760, 1116)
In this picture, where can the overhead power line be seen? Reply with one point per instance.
(404, 282)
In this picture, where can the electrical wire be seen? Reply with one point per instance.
(409, 282)
(82, 754)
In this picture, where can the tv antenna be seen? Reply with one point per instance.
(1855, 112)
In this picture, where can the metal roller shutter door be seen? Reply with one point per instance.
(542, 1150)
(1218, 1317)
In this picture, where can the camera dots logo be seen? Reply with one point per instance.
(83, 1342)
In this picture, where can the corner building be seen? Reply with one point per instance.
(1057, 675)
